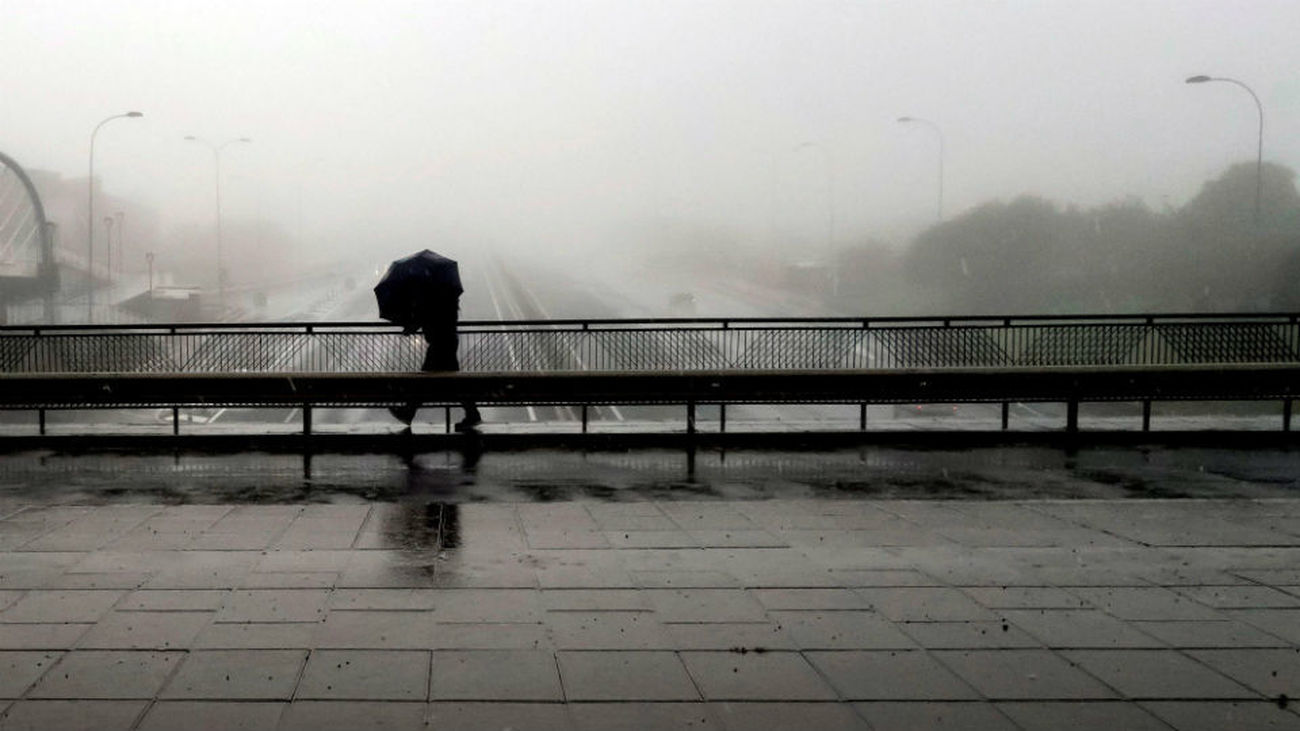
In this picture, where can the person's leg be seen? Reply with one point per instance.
(472, 417)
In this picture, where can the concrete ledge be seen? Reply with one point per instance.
(349, 443)
(1220, 382)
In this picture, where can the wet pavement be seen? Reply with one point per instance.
(875, 587)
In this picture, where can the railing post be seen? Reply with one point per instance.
(1072, 415)
(690, 417)
(1146, 414)
(176, 421)
(1286, 415)
(584, 418)
(306, 419)
(40, 416)
(722, 418)
(862, 416)
(1006, 415)
(446, 419)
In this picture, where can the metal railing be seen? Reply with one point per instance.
(662, 345)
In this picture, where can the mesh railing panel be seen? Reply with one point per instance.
(253, 352)
(652, 346)
(15, 352)
(939, 347)
(1077, 345)
(1227, 343)
(798, 348)
(118, 353)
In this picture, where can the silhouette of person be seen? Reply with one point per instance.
(437, 317)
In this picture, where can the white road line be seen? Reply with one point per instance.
(496, 305)
(541, 311)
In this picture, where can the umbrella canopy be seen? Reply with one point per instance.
(414, 283)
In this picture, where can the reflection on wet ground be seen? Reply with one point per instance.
(454, 476)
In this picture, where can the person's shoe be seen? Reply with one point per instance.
(469, 422)
(404, 414)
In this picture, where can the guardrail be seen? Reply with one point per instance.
(658, 345)
(688, 361)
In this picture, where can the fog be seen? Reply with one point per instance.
(600, 129)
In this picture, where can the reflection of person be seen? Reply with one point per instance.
(438, 317)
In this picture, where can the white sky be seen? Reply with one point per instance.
(553, 124)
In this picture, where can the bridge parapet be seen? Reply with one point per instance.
(662, 345)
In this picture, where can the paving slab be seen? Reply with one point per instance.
(1023, 674)
(1236, 715)
(171, 715)
(18, 670)
(274, 605)
(499, 716)
(98, 674)
(41, 636)
(353, 716)
(1095, 715)
(145, 631)
(612, 630)
(1157, 674)
(80, 715)
(1084, 628)
(399, 675)
(729, 636)
(890, 675)
(741, 675)
(41, 606)
(742, 716)
(634, 716)
(1228, 634)
(968, 635)
(935, 716)
(237, 674)
(625, 676)
(1272, 673)
(847, 630)
(495, 675)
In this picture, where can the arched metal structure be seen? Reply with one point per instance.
(27, 268)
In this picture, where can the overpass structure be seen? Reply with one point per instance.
(680, 361)
(27, 266)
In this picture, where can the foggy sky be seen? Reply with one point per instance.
(553, 125)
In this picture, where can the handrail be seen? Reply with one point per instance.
(932, 321)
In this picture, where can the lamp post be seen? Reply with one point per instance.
(939, 132)
(90, 217)
(830, 212)
(148, 257)
(121, 244)
(108, 242)
(1259, 144)
(216, 159)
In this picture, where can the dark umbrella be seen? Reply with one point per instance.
(414, 282)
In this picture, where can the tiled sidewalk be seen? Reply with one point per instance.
(792, 614)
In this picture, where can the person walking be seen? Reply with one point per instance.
(422, 293)
(437, 318)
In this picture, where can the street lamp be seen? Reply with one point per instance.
(939, 132)
(1259, 146)
(90, 217)
(216, 158)
(830, 211)
(108, 236)
(121, 245)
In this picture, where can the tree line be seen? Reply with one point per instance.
(1216, 253)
